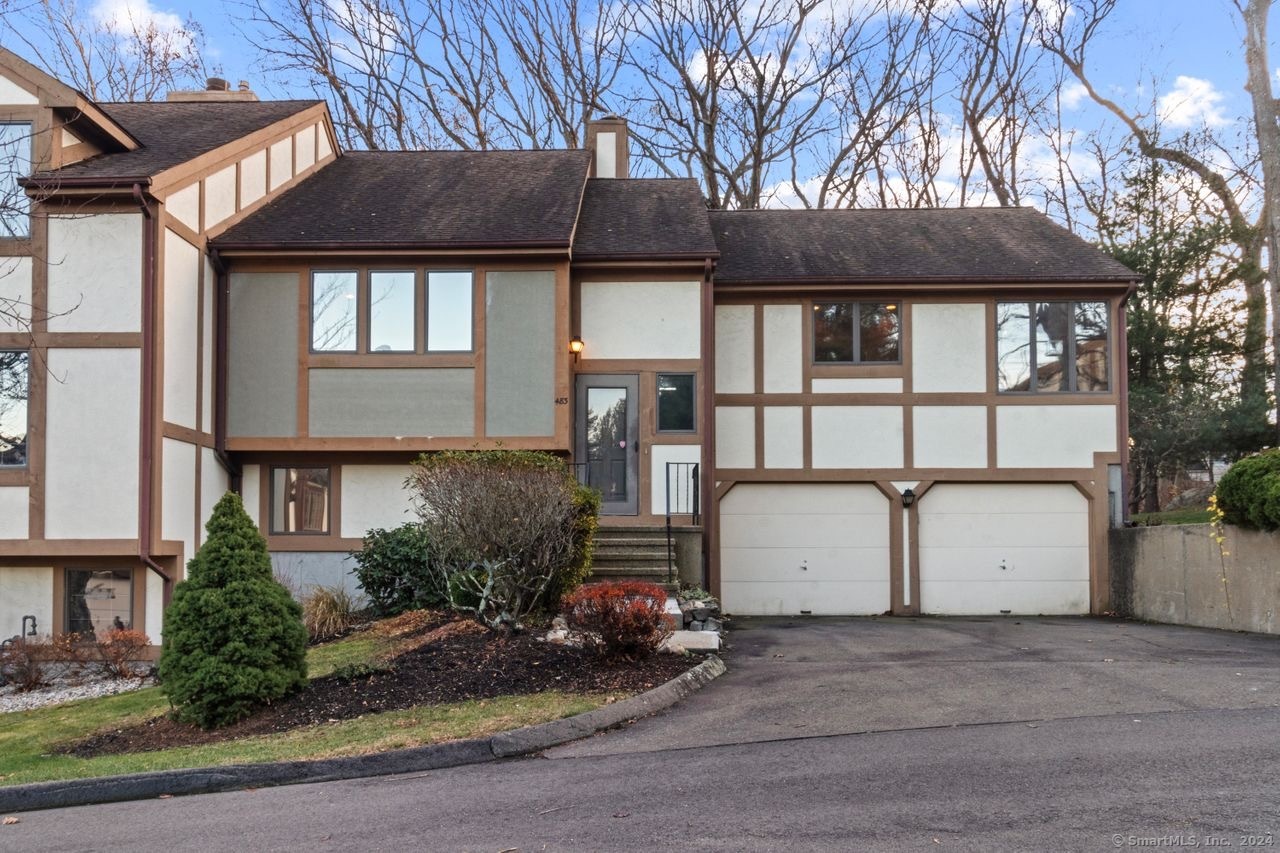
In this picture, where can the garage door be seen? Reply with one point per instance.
(997, 548)
(820, 548)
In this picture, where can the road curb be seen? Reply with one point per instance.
(207, 780)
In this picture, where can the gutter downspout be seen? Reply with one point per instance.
(709, 537)
(222, 302)
(146, 458)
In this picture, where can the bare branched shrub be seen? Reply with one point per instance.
(503, 527)
(120, 650)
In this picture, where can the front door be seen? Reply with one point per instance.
(608, 447)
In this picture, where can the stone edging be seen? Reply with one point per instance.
(204, 780)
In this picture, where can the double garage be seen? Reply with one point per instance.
(828, 548)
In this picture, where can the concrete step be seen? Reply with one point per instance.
(631, 541)
(631, 558)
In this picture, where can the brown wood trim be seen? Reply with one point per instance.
(413, 444)
(16, 477)
(312, 543)
(890, 398)
(69, 340)
(330, 361)
(80, 549)
(635, 365)
(886, 488)
(993, 445)
(178, 432)
(871, 475)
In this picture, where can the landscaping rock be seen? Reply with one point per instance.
(12, 700)
(713, 624)
(701, 612)
(692, 641)
(693, 626)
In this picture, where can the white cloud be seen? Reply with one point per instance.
(1072, 95)
(139, 14)
(1191, 103)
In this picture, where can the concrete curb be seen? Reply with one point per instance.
(207, 780)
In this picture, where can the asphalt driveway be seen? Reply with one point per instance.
(806, 676)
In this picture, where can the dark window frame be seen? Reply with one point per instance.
(1070, 345)
(657, 403)
(367, 304)
(857, 331)
(26, 458)
(311, 310)
(271, 501)
(426, 311)
(67, 587)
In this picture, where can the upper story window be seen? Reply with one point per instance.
(15, 368)
(15, 162)
(389, 308)
(1052, 347)
(857, 333)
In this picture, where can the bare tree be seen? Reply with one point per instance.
(470, 74)
(116, 58)
(1068, 37)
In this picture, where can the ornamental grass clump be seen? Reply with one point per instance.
(233, 636)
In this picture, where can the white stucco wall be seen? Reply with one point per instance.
(305, 150)
(154, 618)
(735, 437)
(253, 177)
(219, 196)
(281, 158)
(641, 319)
(783, 359)
(181, 318)
(857, 436)
(783, 437)
(659, 456)
(858, 385)
(184, 206)
(373, 496)
(25, 592)
(12, 94)
(15, 294)
(795, 547)
(91, 451)
(214, 483)
(14, 512)
(735, 349)
(95, 273)
(950, 436)
(251, 492)
(178, 496)
(1058, 436)
(948, 348)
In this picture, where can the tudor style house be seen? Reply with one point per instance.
(914, 411)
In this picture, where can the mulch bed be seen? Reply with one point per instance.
(448, 662)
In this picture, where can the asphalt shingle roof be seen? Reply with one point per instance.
(643, 217)
(425, 199)
(174, 132)
(973, 244)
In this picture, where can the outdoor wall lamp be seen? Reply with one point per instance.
(576, 346)
(908, 498)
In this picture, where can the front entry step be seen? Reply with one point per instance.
(633, 554)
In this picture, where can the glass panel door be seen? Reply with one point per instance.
(607, 438)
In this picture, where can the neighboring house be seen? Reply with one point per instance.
(224, 298)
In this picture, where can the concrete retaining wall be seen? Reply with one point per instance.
(1175, 574)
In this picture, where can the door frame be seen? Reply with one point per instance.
(630, 382)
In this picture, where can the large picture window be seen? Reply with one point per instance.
(15, 163)
(15, 381)
(857, 333)
(1048, 347)
(385, 304)
(98, 601)
(300, 500)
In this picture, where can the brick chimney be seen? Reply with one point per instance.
(607, 141)
(215, 89)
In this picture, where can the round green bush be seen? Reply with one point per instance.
(394, 570)
(1249, 493)
(233, 636)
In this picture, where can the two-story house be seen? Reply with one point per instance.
(889, 411)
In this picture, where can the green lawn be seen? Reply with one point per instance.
(1189, 515)
(28, 738)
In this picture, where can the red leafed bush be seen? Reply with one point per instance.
(623, 621)
(119, 649)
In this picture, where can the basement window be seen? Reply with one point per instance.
(300, 500)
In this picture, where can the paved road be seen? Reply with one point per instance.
(827, 734)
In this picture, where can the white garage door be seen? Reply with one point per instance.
(995, 548)
(820, 548)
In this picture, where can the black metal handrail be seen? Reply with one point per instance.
(684, 477)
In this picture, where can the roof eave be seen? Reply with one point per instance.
(953, 281)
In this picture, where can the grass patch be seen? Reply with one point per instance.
(28, 737)
(1190, 515)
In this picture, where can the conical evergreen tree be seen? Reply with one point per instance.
(233, 636)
